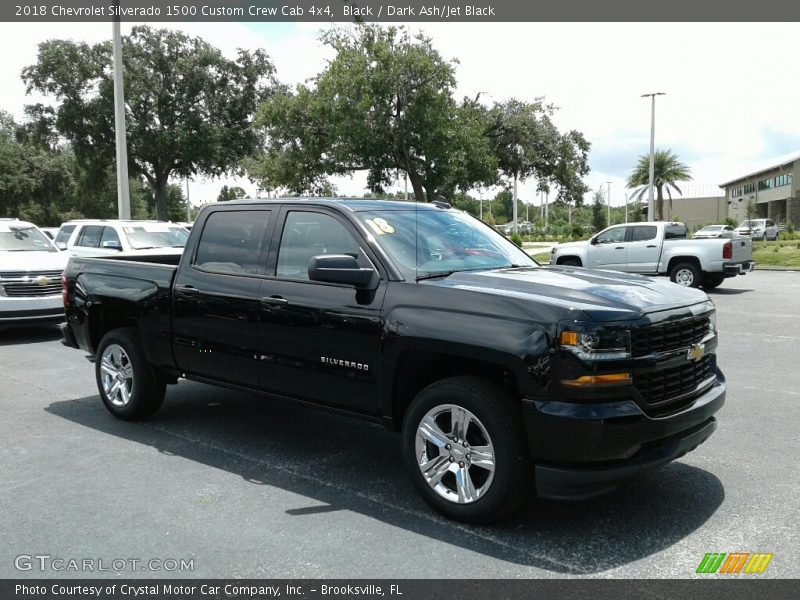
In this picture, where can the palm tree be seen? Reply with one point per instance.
(668, 170)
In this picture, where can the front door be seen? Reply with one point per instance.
(609, 250)
(216, 298)
(319, 341)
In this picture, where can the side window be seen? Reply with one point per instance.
(110, 235)
(309, 234)
(90, 236)
(232, 241)
(64, 233)
(770, 224)
(642, 233)
(612, 236)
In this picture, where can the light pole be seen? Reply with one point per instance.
(188, 204)
(626, 207)
(608, 183)
(123, 193)
(652, 152)
(520, 153)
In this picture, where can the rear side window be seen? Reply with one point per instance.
(674, 232)
(642, 233)
(232, 241)
(64, 233)
(90, 236)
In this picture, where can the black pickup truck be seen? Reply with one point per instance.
(505, 378)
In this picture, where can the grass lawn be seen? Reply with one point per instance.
(543, 258)
(784, 254)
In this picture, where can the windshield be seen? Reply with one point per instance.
(25, 239)
(155, 235)
(712, 228)
(750, 223)
(428, 241)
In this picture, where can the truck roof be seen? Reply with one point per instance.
(353, 204)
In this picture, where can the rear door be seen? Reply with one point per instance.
(609, 250)
(319, 341)
(644, 249)
(215, 303)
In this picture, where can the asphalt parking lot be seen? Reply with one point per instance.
(250, 488)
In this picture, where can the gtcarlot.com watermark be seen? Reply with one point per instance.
(48, 563)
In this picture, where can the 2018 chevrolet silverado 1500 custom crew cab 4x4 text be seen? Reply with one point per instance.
(505, 377)
(660, 248)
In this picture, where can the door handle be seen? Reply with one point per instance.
(273, 301)
(652, 246)
(620, 248)
(187, 290)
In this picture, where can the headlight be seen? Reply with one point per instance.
(604, 344)
(712, 321)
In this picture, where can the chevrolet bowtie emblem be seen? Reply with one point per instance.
(42, 280)
(696, 352)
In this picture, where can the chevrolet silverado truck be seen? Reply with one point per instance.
(504, 378)
(660, 248)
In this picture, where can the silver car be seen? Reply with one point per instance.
(759, 229)
(714, 231)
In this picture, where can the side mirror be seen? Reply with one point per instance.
(61, 245)
(111, 245)
(593, 240)
(344, 269)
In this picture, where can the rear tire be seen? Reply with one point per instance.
(712, 280)
(475, 473)
(128, 385)
(685, 274)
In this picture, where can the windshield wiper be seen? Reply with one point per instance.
(436, 274)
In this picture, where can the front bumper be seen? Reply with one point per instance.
(584, 450)
(734, 269)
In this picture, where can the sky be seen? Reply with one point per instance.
(731, 103)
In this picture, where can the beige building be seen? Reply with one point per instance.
(697, 212)
(771, 193)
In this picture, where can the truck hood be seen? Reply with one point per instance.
(33, 261)
(602, 295)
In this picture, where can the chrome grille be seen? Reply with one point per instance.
(15, 284)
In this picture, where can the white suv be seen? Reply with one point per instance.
(101, 237)
(759, 229)
(30, 276)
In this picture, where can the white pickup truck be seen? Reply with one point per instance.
(660, 248)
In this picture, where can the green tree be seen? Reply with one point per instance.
(188, 108)
(230, 193)
(598, 211)
(527, 144)
(384, 105)
(667, 172)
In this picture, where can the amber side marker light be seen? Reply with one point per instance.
(569, 338)
(590, 380)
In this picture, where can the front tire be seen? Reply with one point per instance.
(712, 280)
(685, 274)
(128, 386)
(465, 449)
(570, 262)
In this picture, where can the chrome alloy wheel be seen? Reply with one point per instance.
(116, 375)
(684, 277)
(455, 454)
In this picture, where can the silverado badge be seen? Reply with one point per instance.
(696, 352)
